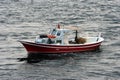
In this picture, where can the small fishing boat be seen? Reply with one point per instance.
(60, 41)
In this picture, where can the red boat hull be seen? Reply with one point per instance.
(51, 48)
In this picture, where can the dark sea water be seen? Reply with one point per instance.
(22, 19)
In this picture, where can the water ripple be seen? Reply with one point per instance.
(21, 19)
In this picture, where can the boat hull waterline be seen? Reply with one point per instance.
(32, 47)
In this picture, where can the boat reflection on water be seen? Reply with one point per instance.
(36, 57)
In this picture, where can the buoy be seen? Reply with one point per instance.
(51, 36)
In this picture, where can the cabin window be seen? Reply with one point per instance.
(58, 33)
(43, 40)
(58, 41)
(53, 32)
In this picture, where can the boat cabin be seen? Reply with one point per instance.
(55, 36)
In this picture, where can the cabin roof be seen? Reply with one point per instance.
(64, 30)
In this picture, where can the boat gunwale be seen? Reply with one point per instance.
(65, 45)
(60, 46)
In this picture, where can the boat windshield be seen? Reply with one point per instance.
(53, 32)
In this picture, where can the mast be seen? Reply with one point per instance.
(76, 36)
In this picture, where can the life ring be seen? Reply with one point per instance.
(51, 36)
